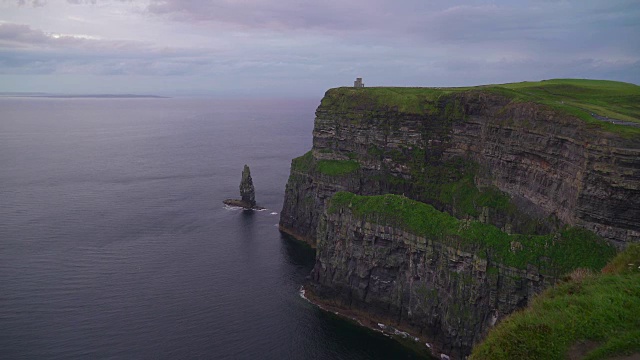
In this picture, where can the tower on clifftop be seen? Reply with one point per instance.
(358, 83)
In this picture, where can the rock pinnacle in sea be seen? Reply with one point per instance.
(247, 191)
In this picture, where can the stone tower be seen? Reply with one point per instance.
(358, 83)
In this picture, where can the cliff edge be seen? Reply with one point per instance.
(573, 320)
(549, 171)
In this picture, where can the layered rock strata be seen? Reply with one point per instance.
(555, 169)
(476, 155)
(445, 295)
(247, 192)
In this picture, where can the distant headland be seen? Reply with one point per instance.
(80, 96)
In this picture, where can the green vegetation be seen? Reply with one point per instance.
(306, 163)
(627, 262)
(601, 310)
(582, 98)
(407, 100)
(612, 99)
(576, 97)
(552, 254)
(337, 167)
(451, 184)
(303, 163)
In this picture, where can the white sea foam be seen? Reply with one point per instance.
(229, 207)
(274, 213)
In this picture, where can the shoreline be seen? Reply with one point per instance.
(242, 204)
(297, 236)
(418, 344)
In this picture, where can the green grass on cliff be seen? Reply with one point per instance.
(576, 97)
(552, 254)
(450, 184)
(582, 99)
(612, 99)
(307, 163)
(337, 167)
(303, 163)
(590, 317)
(405, 100)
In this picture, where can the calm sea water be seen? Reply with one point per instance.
(115, 244)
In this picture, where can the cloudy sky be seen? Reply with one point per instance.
(303, 47)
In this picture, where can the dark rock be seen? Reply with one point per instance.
(555, 169)
(247, 192)
(447, 295)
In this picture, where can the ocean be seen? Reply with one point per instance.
(115, 244)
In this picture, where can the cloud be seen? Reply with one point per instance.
(33, 3)
(23, 36)
(328, 15)
(499, 28)
(17, 34)
(27, 50)
(318, 44)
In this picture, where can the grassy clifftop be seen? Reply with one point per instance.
(594, 101)
(402, 99)
(588, 317)
(612, 99)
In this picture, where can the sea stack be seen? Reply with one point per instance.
(247, 192)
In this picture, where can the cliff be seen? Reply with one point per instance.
(530, 160)
(448, 280)
(573, 319)
(465, 151)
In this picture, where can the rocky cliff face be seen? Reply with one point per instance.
(447, 295)
(247, 191)
(554, 169)
(478, 156)
(554, 164)
(446, 280)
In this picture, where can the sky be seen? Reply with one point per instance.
(301, 48)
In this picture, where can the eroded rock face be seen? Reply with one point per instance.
(247, 191)
(450, 296)
(554, 169)
(555, 164)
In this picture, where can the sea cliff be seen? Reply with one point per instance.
(530, 171)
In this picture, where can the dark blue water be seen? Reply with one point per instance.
(115, 244)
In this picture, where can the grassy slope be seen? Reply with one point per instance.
(553, 254)
(580, 98)
(613, 99)
(306, 163)
(603, 310)
(404, 99)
